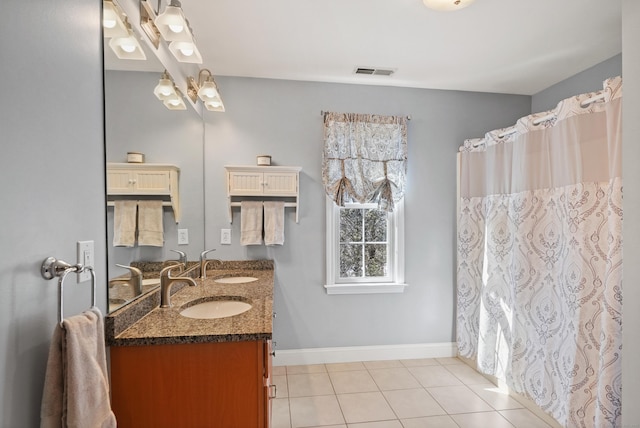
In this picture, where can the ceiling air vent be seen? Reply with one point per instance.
(374, 71)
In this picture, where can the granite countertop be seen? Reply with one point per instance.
(143, 322)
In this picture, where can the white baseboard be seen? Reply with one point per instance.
(294, 357)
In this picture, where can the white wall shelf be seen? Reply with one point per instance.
(267, 182)
(144, 179)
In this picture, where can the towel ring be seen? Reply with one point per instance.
(52, 267)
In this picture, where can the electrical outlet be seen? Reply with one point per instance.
(183, 236)
(225, 236)
(86, 258)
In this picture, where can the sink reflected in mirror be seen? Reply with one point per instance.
(213, 309)
(235, 279)
(150, 282)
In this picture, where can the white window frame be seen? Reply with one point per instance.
(393, 283)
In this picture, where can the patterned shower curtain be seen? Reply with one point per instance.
(539, 271)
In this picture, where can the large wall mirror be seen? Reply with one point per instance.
(136, 121)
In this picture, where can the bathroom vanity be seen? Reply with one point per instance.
(168, 370)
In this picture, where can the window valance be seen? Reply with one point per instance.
(364, 158)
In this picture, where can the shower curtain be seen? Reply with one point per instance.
(539, 246)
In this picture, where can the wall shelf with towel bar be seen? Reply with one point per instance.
(263, 182)
(125, 180)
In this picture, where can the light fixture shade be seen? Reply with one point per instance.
(208, 91)
(175, 102)
(127, 47)
(214, 105)
(447, 5)
(165, 88)
(173, 25)
(186, 52)
(112, 21)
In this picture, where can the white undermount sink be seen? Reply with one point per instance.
(215, 309)
(235, 279)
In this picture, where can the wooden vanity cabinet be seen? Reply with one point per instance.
(225, 384)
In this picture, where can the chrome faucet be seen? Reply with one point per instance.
(182, 261)
(166, 281)
(183, 257)
(204, 261)
(134, 280)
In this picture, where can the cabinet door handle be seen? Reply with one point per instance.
(275, 391)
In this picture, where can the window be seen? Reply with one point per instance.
(365, 249)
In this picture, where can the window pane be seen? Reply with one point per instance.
(350, 225)
(350, 260)
(375, 259)
(375, 224)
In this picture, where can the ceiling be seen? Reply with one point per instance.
(503, 46)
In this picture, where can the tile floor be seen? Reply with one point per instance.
(435, 392)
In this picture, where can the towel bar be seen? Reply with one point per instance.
(52, 267)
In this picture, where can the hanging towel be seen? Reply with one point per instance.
(274, 223)
(124, 223)
(76, 384)
(150, 230)
(251, 223)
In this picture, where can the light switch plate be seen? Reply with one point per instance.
(183, 236)
(86, 258)
(225, 236)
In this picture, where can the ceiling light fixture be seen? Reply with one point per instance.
(206, 90)
(167, 92)
(113, 20)
(447, 5)
(127, 47)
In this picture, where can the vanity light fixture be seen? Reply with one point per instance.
(147, 23)
(447, 5)
(127, 47)
(206, 90)
(175, 30)
(167, 92)
(113, 20)
(173, 25)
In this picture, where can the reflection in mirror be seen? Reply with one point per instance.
(135, 121)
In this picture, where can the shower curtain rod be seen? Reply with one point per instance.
(539, 120)
(322, 113)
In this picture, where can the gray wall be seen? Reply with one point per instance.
(135, 120)
(56, 143)
(282, 118)
(52, 163)
(586, 81)
(631, 231)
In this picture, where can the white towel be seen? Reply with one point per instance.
(124, 223)
(274, 223)
(150, 231)
(76, 384)
(250, 223)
